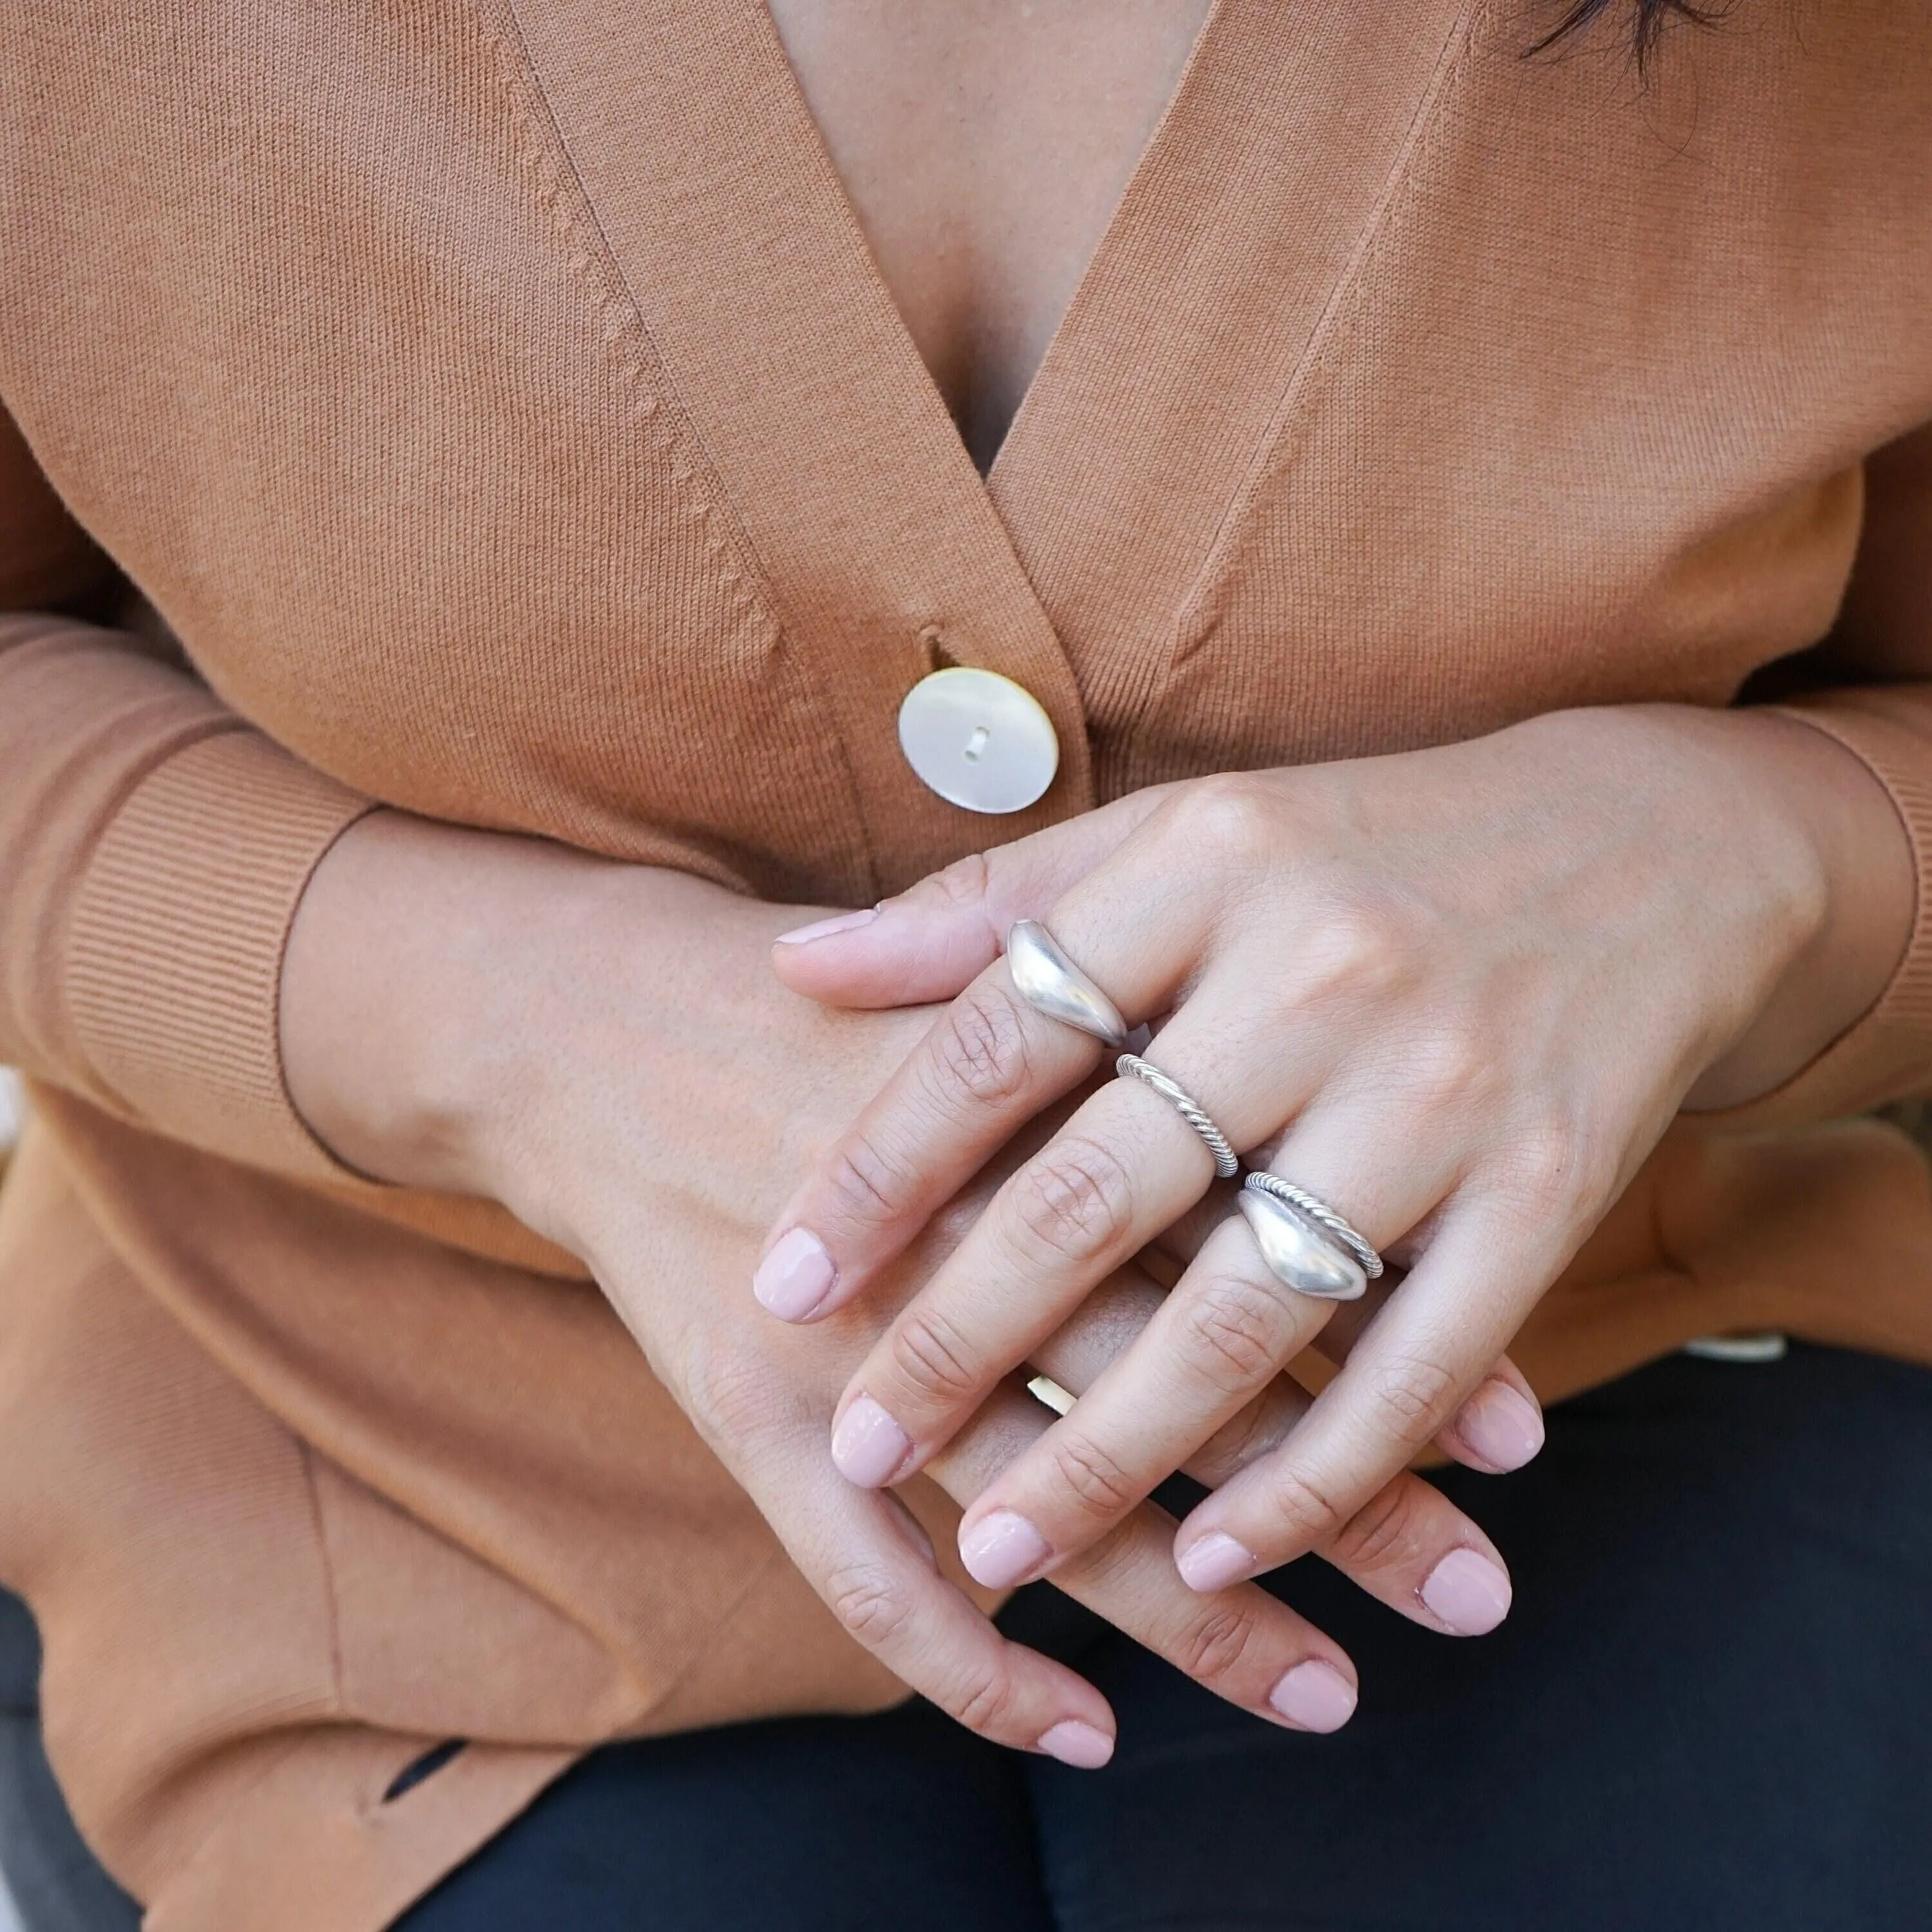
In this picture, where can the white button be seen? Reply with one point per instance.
(978, 740)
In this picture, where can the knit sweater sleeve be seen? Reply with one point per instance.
(1874, 696)
(153, 850)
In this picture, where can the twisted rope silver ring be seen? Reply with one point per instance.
(1051, 984)
(1325, 1218)
(1184, 1104)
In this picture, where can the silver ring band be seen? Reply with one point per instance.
(1051, 983)
(1298, 1254)
(1189, 1109)
(1323, 1216)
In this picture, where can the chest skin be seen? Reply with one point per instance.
(983, 148)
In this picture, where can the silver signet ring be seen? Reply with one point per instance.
(1051, 983)
(1298, 1256)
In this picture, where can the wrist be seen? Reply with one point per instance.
(403, 1045)
(1820, 802)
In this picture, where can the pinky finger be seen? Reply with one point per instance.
(1498, 1429)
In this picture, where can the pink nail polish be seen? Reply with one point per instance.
(795, 1278)
(869, 1447)
(1078, 1745)
(1214, 1563)
(823, 929)
(1501, 1425)
(1000, 1549)
(1315, 1695)
(1468, 1592)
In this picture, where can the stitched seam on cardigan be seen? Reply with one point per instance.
(545, 156)
(548, 161)
(1457, 50)
(328, 1559)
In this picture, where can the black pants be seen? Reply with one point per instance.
(1711, 1708)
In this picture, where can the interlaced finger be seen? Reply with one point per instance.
(1244, 1646)
(988, 1064)
(1103, 1187)
(1395, 1547)
(1212, 1346)
(1407, 1376)
(872, 1566)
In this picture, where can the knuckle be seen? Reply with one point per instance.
(1306, 1510)
(1074, 1199)
(731, 1398)
(964, 883)
(1553, 1166)
(1413, 1395)
(1101, 1485)
(1218, 1643)
(1381, 1533)
(1450, 1067)
(985, 1703)
(1227, 815)
(866, 1182)
(869, 1604)
(1355, 951)
(932, 1358)
(982, 1047)
(1232, 1329)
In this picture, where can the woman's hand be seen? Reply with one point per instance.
(1457, 995)
(601, 1048)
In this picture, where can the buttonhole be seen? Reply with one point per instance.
(420, 1770)
(977, 743)
(937, 655)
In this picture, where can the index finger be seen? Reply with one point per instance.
(989, 1064)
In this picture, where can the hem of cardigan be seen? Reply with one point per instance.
(313, 1846)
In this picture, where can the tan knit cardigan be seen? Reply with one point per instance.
(495, 410)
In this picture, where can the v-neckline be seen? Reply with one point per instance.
(708, 191)
(1147, 160)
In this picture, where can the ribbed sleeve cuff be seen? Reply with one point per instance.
(174, 952)
(1887, 1055)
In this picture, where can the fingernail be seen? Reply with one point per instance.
(823, 929)
(1078, 1745)
(795, 1276)
(868, 1447)
(1214, 1562)
(1315, 1695)
(1501, 1425)
(1468, 1592)
(1000, 1549)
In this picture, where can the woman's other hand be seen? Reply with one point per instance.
(602, 1048)
(1457, 994)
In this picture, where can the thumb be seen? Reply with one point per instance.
(934, 939)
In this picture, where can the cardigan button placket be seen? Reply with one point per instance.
(979, 740)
